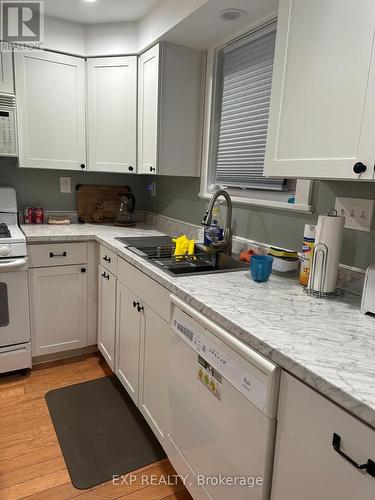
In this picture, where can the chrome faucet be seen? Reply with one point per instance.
(226, 244)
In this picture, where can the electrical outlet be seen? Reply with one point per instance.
(65, 185)
(152, 189)
(358, 213)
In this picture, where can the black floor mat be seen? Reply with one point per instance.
(101, 432)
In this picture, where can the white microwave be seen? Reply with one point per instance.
(8, 132)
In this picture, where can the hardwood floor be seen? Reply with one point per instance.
(31, 462)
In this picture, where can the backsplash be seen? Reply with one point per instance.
(349, 279)
(178, 198)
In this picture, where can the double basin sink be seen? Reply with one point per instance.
(159, 251)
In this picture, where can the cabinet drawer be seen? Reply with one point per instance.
(108, 259)
(309, 420)
(57, 254)
(154, 295)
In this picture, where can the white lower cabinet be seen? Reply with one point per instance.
(142, 338)
(154, 374)
(128, 331)
(107, 315)
(58, 297)
(306, 464)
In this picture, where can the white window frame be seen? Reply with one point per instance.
(256, 197)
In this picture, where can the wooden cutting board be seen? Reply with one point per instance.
(99, 204)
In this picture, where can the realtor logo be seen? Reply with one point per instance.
(22, 22)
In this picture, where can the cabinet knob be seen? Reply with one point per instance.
(131, 168)
(83, 166)
(359, 168)
(152, 169)
(83, 269)
(140, 308)
(135, 304)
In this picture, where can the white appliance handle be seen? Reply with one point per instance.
(12, 265)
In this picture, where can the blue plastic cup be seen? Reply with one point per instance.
(261, 267)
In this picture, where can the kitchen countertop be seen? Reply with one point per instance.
(328, 344)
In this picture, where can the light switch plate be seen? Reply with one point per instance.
(358, 212)
(65, 185)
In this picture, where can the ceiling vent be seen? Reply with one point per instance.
(232, 14)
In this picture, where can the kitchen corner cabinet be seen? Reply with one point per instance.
(169, 110)
(112, 114)
(306, 465)
(58, 297)
(322, 120)
(51, 99)
(107, 315)
(6, 72)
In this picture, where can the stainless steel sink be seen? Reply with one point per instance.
(162, 256)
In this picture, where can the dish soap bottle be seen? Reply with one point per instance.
(307, 253)
(214, 232)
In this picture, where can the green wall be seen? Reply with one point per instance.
(178, 197)
(38, 187)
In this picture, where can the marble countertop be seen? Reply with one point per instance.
(328, 344)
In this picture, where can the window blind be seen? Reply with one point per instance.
(246, 70)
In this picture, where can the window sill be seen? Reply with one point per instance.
(281, 205)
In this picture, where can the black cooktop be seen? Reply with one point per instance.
(4, 231)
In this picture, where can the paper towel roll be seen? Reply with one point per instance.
(329, 231)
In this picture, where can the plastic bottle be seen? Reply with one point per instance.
(214, 232)
(211, 233)
(307, 253)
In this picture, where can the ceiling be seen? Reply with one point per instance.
(204, 28)
(100, 11)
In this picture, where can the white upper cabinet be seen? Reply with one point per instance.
(50, 91)
(148, 98)
(322, 116)
(112, 114)
(169, 110)
(6, 72)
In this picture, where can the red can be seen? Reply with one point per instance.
(38, 215)
(28, 215)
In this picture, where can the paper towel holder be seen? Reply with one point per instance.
(313, 288)
(321, 251)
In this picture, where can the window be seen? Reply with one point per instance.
(238, 97)
(242, 102)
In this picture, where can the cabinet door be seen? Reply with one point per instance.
(58, 297)
(107, 316)
(148, 103)
(51, 110)
(323, 91)
(6, 72)
(128, 327)
(112, 114)
(154, 375)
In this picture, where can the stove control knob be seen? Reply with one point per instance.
(4, 250)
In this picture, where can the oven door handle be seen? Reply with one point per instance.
(12, 265)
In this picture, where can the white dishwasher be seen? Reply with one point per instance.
(222, 410)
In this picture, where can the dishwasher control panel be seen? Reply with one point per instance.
(248, 379)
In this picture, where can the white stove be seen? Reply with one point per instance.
(12, 243)
(15, 345)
